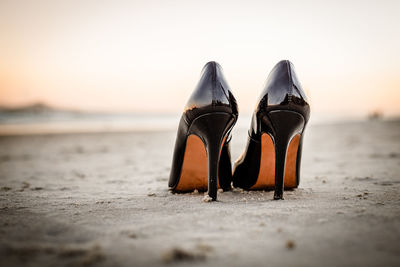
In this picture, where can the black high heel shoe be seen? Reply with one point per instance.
(202, 157)
(273, 153)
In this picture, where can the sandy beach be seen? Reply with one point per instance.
(101, 199)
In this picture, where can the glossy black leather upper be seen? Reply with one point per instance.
(282, 82)
(282, 91)
(212, 94)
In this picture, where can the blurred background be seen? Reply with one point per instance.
(117, 75)
(122, 65)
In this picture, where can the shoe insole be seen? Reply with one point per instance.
(266, 175)
(194, 174)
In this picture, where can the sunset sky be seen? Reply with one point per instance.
(147, 55)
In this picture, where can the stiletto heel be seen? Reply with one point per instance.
(273, 152)
(212, 128)
(201, 156)
(286, 124)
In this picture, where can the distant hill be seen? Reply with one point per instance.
(36, 108)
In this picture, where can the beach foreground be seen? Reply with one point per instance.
(102, 199)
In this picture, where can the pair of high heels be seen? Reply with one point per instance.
(272, 155)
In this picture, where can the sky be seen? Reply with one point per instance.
(146, 56)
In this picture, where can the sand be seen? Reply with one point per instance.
(102, 199)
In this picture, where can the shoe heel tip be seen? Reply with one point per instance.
(207, 198)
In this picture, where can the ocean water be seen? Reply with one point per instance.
(71, 122)
(54, 121)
